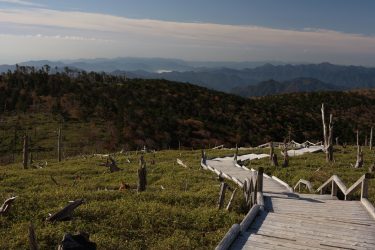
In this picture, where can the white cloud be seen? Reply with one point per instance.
(20, 2)
(206, 41)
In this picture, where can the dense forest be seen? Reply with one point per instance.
(162, 114)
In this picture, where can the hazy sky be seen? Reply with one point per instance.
(338, 31)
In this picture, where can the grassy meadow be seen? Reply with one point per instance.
(177, 211)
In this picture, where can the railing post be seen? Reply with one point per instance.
(364, 187)
(334, 189)
(260, 180)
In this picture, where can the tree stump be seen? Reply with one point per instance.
(79, 241)
(25, 151)
(112, 165)
(142, 175)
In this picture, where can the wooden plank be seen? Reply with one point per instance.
(229, 237)
(249, 218)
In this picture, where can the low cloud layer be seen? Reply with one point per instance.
(196, 41)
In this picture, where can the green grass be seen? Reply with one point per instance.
(182, 216)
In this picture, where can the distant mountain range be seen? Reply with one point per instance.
(227, 76)
(273, 87)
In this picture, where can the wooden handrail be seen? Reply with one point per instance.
(306, 183)
(336, 183)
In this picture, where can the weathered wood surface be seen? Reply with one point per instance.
(67, 212)
(301, 221)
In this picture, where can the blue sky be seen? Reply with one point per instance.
(339, 31)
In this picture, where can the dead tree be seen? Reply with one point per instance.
(328, 139)
(359, 162)
(67, 212)
(273, 156)
(142, 175)
(25, 151)
(371, 138)
(371, 169)
(59, 145)
(153, 159)
(236, 154)
(286, 156)
(112, 165)
(223, 188)
(32, 238)
(204, 157)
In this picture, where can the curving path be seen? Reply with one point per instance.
(296, 221)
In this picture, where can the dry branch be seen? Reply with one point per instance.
(66, 212)
(32, 238)
(4, 209)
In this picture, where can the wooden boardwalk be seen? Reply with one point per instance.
(295, 221)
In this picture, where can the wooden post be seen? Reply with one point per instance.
(364, 186)
(59, 145)
(142, 175)
(231, 199)
(260, 180)
(334, 189)
(223, 188)
(25, 151)
(371, 138)
(236, 154)
(32, 238)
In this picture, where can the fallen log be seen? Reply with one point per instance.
(66, 212)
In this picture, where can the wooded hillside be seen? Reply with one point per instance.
(161, 114)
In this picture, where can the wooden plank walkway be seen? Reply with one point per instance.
(296, 221)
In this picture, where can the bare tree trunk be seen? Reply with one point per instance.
(371, 138)
(329, 150)
(286, 156)
(236, 154)
(273, 156)
(59, 145)
(328, 139)
(359, 162)
(25, 151)
(142, 176)
(14, 144)
(324, 127)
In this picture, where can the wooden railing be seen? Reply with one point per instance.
(253, 192)
(335, 183)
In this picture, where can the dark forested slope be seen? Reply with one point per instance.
(160, 113)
